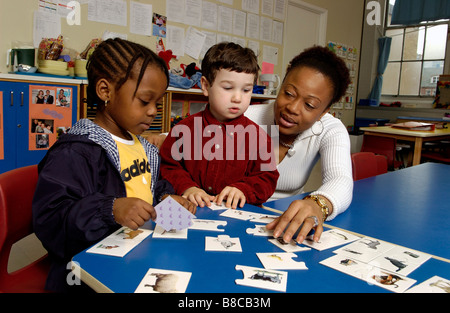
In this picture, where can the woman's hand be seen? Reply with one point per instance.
(299, 215)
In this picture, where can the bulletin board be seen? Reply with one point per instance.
(186, 27)
(350, 56)
(50, 109)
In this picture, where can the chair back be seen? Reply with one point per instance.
(368, 164)
(381, 145)
(16, 196)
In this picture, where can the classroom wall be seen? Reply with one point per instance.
(344, 25)
(16, 23)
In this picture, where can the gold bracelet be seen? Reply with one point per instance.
(322, 204)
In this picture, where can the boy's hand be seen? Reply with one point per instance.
(132, 212)
(198, 196)
(233, 196)
(191, 207)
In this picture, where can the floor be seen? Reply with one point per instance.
(30, 248)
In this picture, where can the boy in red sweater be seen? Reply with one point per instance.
(219, 154)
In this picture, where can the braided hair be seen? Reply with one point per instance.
(117, 60)
(329, 64)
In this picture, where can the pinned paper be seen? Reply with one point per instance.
(172, 215)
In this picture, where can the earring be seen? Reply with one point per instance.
(106, 103)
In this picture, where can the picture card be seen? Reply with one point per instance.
(263, 218)
(400, 260)
(223, 243)
(120, 242)
(262, 278)
(212, 225)
(329, 239)
(217, 207)
(164, 281)
(365, 249)
(291, 246)
(246, 215)
(280, 261)
(172, 215)
(369, 273)
(171, 234)
(239, 214)
(260, 230)
(434, 284)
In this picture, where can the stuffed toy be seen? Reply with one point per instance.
(167, 56)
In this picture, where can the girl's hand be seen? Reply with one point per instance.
(132, 212)
(191, 207)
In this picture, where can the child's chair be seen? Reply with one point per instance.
(368, 164)
(16, 194)
(382, 145)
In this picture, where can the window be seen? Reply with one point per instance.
(416, 59)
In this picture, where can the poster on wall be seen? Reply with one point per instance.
(50, 115)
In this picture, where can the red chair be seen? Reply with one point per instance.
(368, 164)
(382, 145)
(16, 194)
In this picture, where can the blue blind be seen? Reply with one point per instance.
(408, 12)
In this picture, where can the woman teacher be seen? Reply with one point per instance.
(315, 79)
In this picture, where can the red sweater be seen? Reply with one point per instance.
(200, 151)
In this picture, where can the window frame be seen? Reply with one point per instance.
(426, 25)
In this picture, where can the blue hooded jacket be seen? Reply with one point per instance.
(79, 178)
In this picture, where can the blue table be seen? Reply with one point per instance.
(214, 272)
(409, 207)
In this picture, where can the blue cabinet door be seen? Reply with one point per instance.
(22, 146)
(11, 97)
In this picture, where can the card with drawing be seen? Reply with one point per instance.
(164, 281)
(223, 243)
(251, 216)
(217, 207)
(263, 218)
(369, 273)
(172, 234)
(259, 230)
(365, 249)
(212, 225)
(288, 246)
(120, 242)
(280, 261)
(329, 239)
(262, 278)
(239, 214)
(434, 284)
(400, 260)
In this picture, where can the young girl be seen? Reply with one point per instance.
(102, 175)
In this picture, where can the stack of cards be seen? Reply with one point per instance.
(377, 262)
